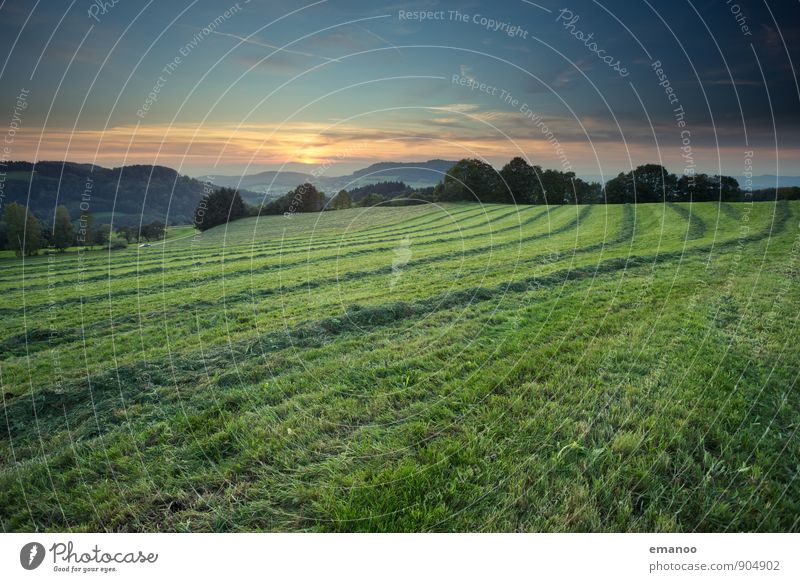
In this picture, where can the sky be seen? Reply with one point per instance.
(223, 87)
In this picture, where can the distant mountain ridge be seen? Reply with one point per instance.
(771, 181)
(125, 195)
(130, 194)
(414, 174)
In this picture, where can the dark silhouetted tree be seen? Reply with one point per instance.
(619, 190)
(371, 200)
(342, 200)
(63, 231)
(696, 188)
(101, 234)
(23, 230)
(728, 188)
(86, 230)
(306, 198)
(520, 182)
(219, 207)
(470, 180)
(654, 183)
(129, 233)
(153, 230)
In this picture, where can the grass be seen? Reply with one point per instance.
(172, 233)
(462, 367)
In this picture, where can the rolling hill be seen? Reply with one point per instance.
(449, 367)
(414, 174)
(126, 195)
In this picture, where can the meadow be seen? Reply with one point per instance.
(442, 367)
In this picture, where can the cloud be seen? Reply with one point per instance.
(460, 107)
(254, 40)
(278, 64)
(466, 71)
(450, 132)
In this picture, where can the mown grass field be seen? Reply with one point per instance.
(427, 368)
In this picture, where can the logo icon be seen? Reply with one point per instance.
(402, 256)
(31, 555)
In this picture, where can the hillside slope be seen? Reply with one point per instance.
(128, 194)
(415, 174)
(448, 367)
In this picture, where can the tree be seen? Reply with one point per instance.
(23, 230)
(63, 231)
(696, 188)
(101, 234)
(153, 231)
(619, 190)
(45, 234)
(116, 242)
(307, 198)
(388, 190)
(728, 188)
(304, 198)
(590, 193)
(558, 187)
(520, 182)
(129, 233)
(342, 200)
(219, 207)
(86, 230)
(471, 180)
(371, 200)
(654, 183)
(647, 183)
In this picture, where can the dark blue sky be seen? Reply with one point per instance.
(222, 87)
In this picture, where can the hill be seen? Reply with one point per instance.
(129, 193)
(447, 367)
(272, 182)
(414, 174)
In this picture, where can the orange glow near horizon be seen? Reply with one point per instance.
(197, 149)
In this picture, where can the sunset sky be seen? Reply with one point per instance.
(216, 87)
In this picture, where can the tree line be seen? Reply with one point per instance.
(522, 183)
(517, 182)
(25, 234)
(225, 205)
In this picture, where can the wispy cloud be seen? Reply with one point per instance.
(253, 40)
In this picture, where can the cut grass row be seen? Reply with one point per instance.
(305, 294)
(528, 412)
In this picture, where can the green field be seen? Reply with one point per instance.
(435, 368)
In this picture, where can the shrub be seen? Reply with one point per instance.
(116, 242)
